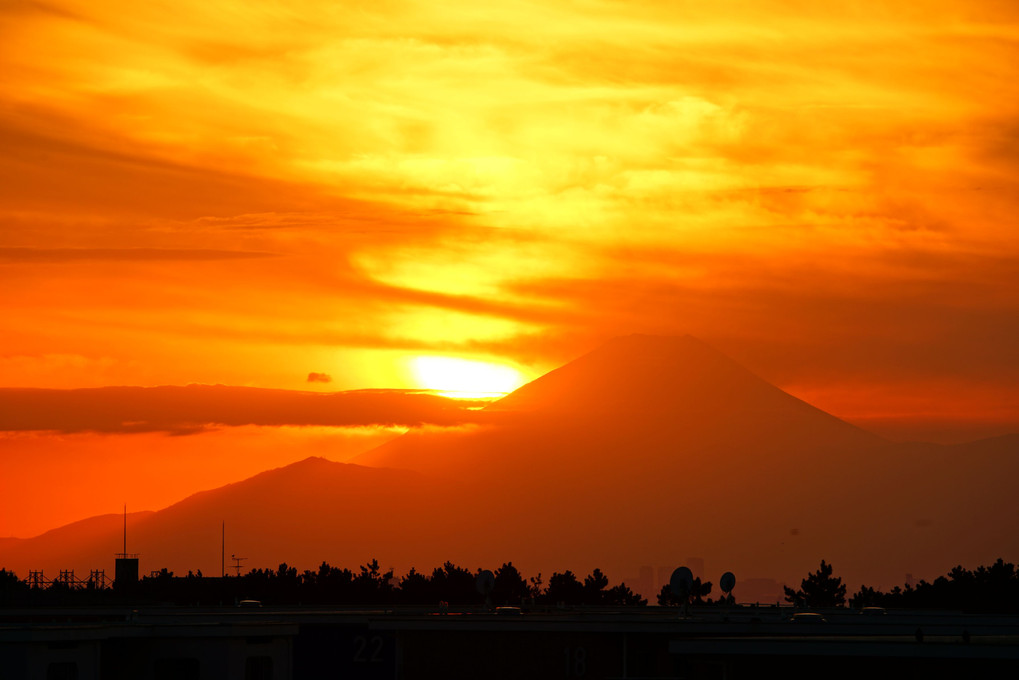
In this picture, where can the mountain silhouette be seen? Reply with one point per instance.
(645, 451)
(652, 374)
(82, 546)
(653, 397)
(301, 513)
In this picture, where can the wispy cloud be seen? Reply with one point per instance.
(833, 184)
(56, 255)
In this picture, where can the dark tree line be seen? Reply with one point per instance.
(819, 589)
(986, 589)
(993, 589)
(368, 585)
(698, 595)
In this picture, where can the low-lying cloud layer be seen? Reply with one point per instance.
(194, 408)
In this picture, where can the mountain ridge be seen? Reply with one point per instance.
(646, 371)
(641, 381)
(188, 534)
(763, 495)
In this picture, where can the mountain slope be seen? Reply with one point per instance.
(302, 513)
(648, 450)
(645, 452)
(82, 546)
(645, 373)
(635, 398)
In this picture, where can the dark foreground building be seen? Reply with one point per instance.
(256, 643)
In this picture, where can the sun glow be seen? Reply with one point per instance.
(463, 379)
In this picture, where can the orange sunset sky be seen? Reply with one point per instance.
(244, 193)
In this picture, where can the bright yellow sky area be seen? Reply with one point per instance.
(247, 192)
(459, 378)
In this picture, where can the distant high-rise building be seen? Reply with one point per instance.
(644, 584)
(664, 576)
(696, 566)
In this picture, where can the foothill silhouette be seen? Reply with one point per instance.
(598, 462)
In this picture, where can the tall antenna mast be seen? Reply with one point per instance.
(222, 555)
(127, 565)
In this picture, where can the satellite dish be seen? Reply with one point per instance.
(485, 582)
(681, 582)
(727, 582)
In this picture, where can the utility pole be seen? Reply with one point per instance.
(237, 563)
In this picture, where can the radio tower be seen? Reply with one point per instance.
(126, 571)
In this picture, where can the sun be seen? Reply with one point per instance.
(464, 379)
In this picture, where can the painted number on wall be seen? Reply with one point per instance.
(576, 662)
(368, 650)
